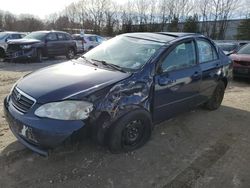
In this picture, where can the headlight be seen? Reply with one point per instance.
(66, 110)
(26, 46)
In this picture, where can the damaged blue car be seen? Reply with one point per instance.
(118, 91)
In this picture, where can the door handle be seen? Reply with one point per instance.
(196, 75)
(162, 81)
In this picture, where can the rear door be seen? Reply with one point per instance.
(62, 43)
(210, 66)
(177, 81)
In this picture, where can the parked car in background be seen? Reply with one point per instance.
(118, 90)
(40, 44)
(241, 59)
(5, 37)
(228, 47)
(79, 42)
(91, 41)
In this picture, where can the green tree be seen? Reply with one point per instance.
(173, 25)
(191, 24)
(243, 30)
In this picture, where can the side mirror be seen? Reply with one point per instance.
(163, 81)
(6, 40)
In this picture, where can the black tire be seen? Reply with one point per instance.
(90, 48)
(38, 55)
(2, 53)
(70, 53)
(130, 132)
(215, 101)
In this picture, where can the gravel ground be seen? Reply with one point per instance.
(195, 149)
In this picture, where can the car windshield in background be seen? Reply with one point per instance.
(36, 35)
(124, 51)
(227, 47)
(2, 35)
(245, 49)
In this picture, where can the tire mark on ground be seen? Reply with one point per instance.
(198, 167)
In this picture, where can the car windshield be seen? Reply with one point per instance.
(227, 47)
(126, 52)
(245, 49)
(36, 35)
(3, 35)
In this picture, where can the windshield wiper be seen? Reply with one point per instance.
(116, 67)
(89, 61)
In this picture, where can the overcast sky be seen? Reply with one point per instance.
(40, 8)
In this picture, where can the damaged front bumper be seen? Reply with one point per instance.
(21, 54)
(39, 134)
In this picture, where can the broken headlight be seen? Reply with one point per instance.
(65, 110)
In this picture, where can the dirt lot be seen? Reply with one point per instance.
(195, 149)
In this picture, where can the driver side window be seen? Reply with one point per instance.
(51, 37)
(182, 56)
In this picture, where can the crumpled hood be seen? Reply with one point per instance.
(23, 41)
(68, 79)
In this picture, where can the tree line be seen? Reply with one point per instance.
(109, 18)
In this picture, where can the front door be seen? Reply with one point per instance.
(177, 81)
(52, 45)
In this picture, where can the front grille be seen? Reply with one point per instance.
(21, 101)
(13, 48)
(243, 63)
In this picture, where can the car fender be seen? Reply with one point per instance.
(125, 96)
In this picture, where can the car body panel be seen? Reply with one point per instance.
(241, 66)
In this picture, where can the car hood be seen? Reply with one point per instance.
(23, 41)
(240, 57)
(65, 80)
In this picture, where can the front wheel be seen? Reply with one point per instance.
(70, 53)
(38, 55)
(215, 101)
(130, 132)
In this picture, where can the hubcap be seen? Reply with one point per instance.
(71, 54)
(133, 133)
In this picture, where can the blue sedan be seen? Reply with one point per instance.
(118, 91)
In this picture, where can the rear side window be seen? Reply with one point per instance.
(92, 38)
(68, 37)
(206, 51)
(100, 39)
(182, 56)
(61, 36)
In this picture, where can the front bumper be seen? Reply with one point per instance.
(39, 134)
(243, 72)
(21, 54)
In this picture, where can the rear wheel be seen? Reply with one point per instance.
(130, 132)
(215, 101)
(70, 53)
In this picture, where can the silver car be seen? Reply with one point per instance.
(87, 42)
(5, 37)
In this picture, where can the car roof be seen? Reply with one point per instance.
(89, 35)
(12, 32)
(52, 31)
(162, 37)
